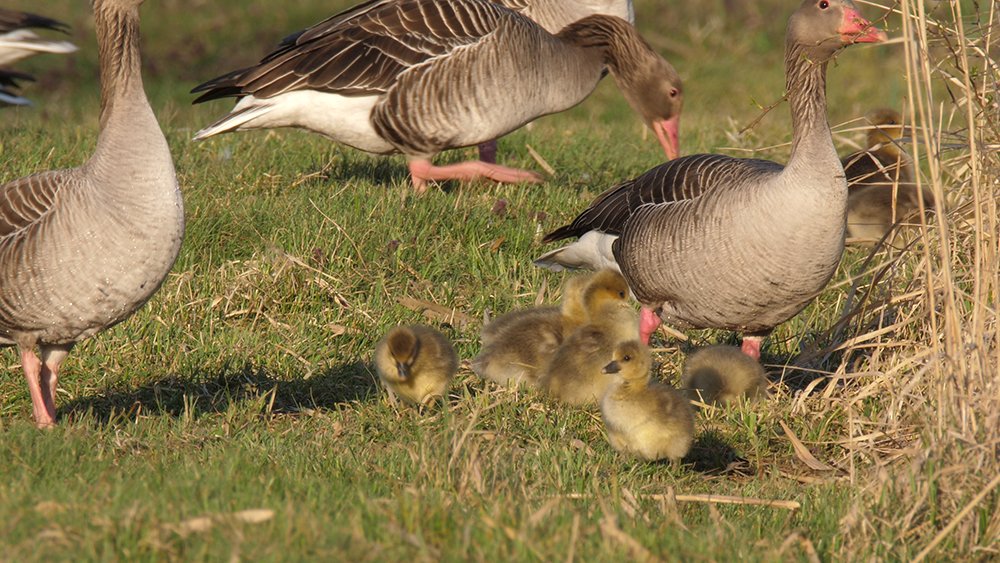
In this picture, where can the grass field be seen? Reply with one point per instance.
(237, 415)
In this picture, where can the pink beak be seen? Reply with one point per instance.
(856, 29)
(666, 133)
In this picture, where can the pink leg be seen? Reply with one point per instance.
(51, 360)
(488, 151)
(33, 373)
(423, 170)
(751, 346)
(648, 323)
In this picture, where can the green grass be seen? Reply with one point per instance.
(246, 382)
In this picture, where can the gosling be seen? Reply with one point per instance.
(416, 363)
(721, 375)
(647, 419)
(518, 345)
(881, 181)
(575, 374)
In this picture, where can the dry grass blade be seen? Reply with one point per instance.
(802, 452)
(435, 312)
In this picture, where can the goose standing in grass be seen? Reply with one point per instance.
(712, 241)
(722, 374)
(81, 249)
(18, 41)
(644, 418)
(421, 76)
(416, 363)
(881, 181)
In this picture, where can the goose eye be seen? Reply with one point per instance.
(824, 5)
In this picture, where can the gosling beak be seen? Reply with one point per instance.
(613, 367)
(666, 133)
(403, 369)
(856, 29)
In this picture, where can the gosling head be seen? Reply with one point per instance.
(887, 126)
(606, 286)
(631, 361)
(404, 346)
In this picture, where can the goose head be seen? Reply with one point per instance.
(823, 27)
(631, 361)
(655, 92)
(403, 347)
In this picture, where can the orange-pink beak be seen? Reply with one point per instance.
(856, 29)
(666, 133)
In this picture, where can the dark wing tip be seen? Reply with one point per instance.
(566, 231)
(224, 86)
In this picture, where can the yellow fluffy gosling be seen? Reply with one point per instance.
(416, 363)
(575, 374)
(517, 345)
(644, 418)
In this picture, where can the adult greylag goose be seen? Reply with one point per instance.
(881, 181)
(82, 248)
(421, 76)
(712, 241)
(416, 363)
(644, 418)
(18, 41)
(722, 374)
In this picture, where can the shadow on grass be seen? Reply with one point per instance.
(216, 392)
(711, 455)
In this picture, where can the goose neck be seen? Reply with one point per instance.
(619, 43)
(118, 55)
(806, 90)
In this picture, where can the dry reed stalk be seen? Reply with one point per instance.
(941, 391)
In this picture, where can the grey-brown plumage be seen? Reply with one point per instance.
(416, 363)
(647, 419)
(722, 374)
(741, 244)
(421, 76)
(574, 375)
(881, 182)
(553, 15)
(81, 249)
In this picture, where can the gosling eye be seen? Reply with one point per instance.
(621, 294)
(626, 358)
